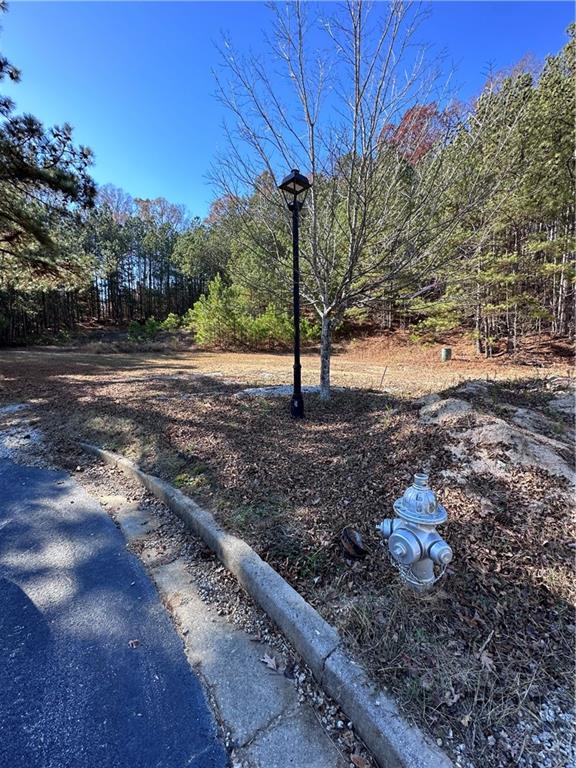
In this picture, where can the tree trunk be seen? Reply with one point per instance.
(325, 348)
(478, 321)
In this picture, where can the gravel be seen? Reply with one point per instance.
(20, 439)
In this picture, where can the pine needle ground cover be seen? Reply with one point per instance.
(484, 663)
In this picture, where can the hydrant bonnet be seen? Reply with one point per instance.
(418, 504)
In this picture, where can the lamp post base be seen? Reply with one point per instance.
(297, 406)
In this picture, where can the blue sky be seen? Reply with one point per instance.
(135, 79)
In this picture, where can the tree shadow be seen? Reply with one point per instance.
(93, 672)
(289, 487)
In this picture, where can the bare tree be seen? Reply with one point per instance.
(377, 204)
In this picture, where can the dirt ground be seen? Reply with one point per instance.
(388, 362)
(484, 662)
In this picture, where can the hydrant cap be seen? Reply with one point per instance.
(418, 503)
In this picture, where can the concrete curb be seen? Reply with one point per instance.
(393, 742)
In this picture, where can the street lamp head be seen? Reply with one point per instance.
(295, 187)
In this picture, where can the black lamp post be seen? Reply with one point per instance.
(295, 188)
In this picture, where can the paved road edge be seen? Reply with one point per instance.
(392, 740)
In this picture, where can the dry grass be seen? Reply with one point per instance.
(387, 363)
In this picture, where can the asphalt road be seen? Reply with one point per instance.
(92, 672)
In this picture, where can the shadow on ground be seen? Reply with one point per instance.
(92, 670)
(483, 654)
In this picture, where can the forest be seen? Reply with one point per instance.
(435, 214)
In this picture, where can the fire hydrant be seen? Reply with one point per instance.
(413, 542)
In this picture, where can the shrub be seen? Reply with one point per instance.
(171, 323)
(309, 331)
(134, 330)
(273, 326)
(215, 316)
(151, 327)
(222, 317)
(187, 320)
(143, 331)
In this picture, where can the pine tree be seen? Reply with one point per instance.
(43, 181)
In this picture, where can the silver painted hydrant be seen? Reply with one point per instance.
(415, 547)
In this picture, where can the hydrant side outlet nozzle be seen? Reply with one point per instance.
(405, 546)
(386, 527)
(441, 552)
(413, 542)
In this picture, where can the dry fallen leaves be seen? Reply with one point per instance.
(487, 662)
(270, 662)
(354, 455)
(359, 761)
(280, 666)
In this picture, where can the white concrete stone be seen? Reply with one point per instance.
(257, 707)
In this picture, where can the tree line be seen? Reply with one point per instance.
(445, 214)
(72, 253)
(123, 271)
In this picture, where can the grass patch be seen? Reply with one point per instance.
(256, 516)
(192, 482)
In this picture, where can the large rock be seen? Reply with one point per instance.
(564, 404)
(475, 388)
(433, 397)
(445, 411)
(486, 444)
(517, 447)
(537, 423)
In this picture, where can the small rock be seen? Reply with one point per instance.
(443, 411)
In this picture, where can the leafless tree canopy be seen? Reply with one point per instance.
(352, 100)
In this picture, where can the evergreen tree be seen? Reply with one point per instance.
(43, 181)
